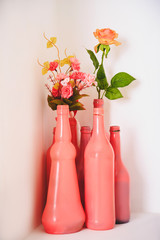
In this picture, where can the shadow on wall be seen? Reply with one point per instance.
(39, 166)
(136, 179)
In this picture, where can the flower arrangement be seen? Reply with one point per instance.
(67, 85)
(106, 37)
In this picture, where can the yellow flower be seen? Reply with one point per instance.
(56, 86)
(66, 61)
(72, 83)
(45, 68)
(52, 41)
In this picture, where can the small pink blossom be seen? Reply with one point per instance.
(65, 81)
(80, 84)
(53, 65)
(55, 92)
(77, 75)
(61, 76)
(89, 80)
(67, 91)
(75, 63)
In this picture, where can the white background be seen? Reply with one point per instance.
(26, 121)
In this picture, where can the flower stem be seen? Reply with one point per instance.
(103, 95)
(56, 48)
(99, 93)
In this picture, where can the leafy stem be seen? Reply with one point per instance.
(56, 48)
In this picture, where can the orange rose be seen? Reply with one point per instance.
(106, 36)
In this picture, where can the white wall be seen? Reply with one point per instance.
(22, 165)
(138, 113)
(24, 110)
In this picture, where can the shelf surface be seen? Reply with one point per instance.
(141, 226)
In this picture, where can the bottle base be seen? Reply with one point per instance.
(121, 221)
(63, 231)
(99, 227)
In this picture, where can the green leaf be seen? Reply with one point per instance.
(52, 105)
(105, 48)
(76, 106)
(93, 58)
(76, 97)
(113, 93)
(101, 78)
(98, 47)
(67, 101)
(58, 102)
(121, 79)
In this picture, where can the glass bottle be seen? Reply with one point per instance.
(85, 136)
(63, 212)
(49, 157)
(99, 175)
(122, 202)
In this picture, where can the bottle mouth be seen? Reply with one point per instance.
(98, 103)
(115, 129)
(62, 109)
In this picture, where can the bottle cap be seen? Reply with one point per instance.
(98, 103)
(114, 128)
(86, 129)
(62, 109)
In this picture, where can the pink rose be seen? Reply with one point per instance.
(75, 63)
(61, 76)
(67, 91)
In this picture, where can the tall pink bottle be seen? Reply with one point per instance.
(49, 156)
(122, 201)
(63, 212)
(99, 175)
(85, 136)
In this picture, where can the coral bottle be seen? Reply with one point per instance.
(63, 212)
(122, 202)
(49, 157)
(99, 175)
(85, 136)
(73, 126)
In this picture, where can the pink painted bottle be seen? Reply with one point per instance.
(73, 126)
(85, 136)
(122, 182)
(49, 157)
(63, 212)
(99, 175)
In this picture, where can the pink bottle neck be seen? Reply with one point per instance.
(63, 132)
(98, 123)
(115, 141)
(85, 136)
(73, 125)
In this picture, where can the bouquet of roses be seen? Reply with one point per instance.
(65, 87)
